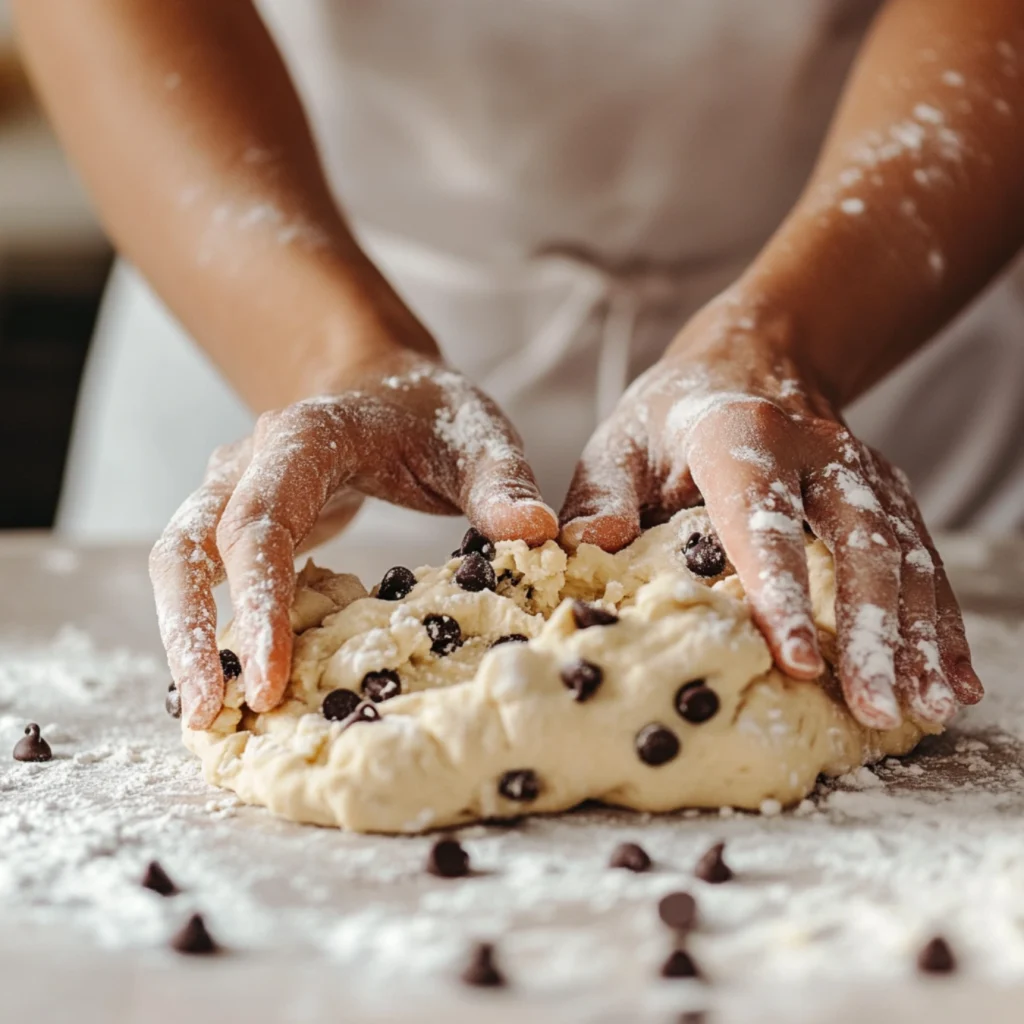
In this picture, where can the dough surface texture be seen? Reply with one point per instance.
(494, 732)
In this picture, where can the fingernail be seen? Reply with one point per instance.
(879, 710)
(801, 655)
(936, 703)
(970, 685)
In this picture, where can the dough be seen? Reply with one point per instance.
(684, 708)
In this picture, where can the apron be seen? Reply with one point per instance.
(554, 186)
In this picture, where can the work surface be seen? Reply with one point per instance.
(822, 921)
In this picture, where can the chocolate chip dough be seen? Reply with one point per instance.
(628, 678)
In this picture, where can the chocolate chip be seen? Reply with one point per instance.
(157, 880)
(583, 678)
(444, 632)
(475, 573)
(339, 704)
(510, 638)
(679, 911)
(587, 615)
(697, 702)
(936, 958)
(381, 685)
(172, 702)
(447, 859)
(712, 868)
(631, 857)
(194, 938)
(679, 965)
(656, 745)
(481, 970)
(508, 576)
(32, 746)
(474, 540)
(365, 712)
(521, 785)
(704, 555)
(396, 584)
(230, 665)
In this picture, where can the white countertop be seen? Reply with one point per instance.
(821, 923)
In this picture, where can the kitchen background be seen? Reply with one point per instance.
(54, 260)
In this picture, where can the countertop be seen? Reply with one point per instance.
(822, 921)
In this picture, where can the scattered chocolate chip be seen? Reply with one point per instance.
(679, 965)
(630, 856)
(444, 632)
(712, 868)
(704, 555)
(381, 685)
(511, 638)
(448, 859)
(230, 665)
(194, 938)
(32, 746)
(156, 879)
(656, 745)
(679, 911)
(474, 540)
(587, 615)
(583, 678)
(365, 712)
(521, 784)
(936, 958)
(172, 702)
(396, 584)
(481, 970)
(696, 701)
(475, 573)
(508, 576)
(339, 704)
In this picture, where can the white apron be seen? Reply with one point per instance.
(555, 186)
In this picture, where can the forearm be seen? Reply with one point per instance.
(917, 200)
(187, 129)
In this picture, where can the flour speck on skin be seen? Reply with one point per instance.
(852, 206)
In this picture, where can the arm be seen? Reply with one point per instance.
(915, 204)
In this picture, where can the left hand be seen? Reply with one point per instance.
(729, 416)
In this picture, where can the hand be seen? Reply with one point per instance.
(407, 430)
(728, 415)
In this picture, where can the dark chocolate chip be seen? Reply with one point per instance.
(474, 540)
(32, 746)
(936, 957)
(679, 911)
(508, 576)
(511, 638)
(475, 573)
(656, 745)
(679, 965)
(697, 702)
(194, 938)
(230, 665)
(381, 685)
(172, 702)
(396, 584)
(704, 555)
(521, 785)
(481, 970)
(447, 859)
(587, 615)
(339, 704)
(365, 712)
(630, 856)
(583, 678)
(444, 632)
(156, 879)
(712, 868)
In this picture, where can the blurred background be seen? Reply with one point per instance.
(54, 260)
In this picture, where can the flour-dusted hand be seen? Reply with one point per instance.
(728, 416)
(410, 432)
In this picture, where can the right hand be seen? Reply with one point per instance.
(407, 430)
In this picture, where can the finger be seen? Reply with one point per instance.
(184, 567)
(297, 463)
(604, 499)
(502, 500)
(757, 510)
(844, 512)
(954, 650)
